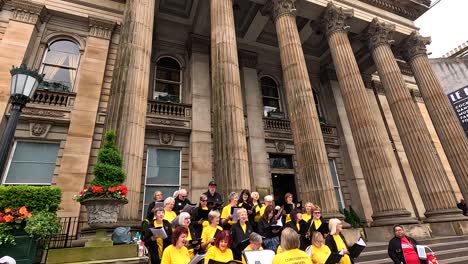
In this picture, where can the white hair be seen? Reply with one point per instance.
(182, 217)
(268, 198)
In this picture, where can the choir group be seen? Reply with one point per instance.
(208, 232)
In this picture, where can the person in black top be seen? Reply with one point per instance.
(317, 223)
(462, 206)
(200, 214)
(300, 226)
(395, 250)
(214, 197)
(157, 245)
(271, 240)
(180, 201)
(240, 231)
(157, 197)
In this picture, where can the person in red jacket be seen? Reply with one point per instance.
(402, 249)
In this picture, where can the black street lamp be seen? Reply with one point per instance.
(23, 85)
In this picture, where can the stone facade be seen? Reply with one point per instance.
(191, 94)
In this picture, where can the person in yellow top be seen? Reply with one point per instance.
(255, 241)
(257, 206)
(184, 220)
(169, 215)
(226, 216)
(320, 253)
(267, 200)
(209, 231)
(156, 245)
(336, 241)
(307, 215)
(318, 224)
(221, 250)
(177, 253)
(291, 253)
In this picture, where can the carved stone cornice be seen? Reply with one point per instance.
(27, 11)
(404, 68)
(277, 8)
(248, 59)
(334, 18)
(414, 45)
(395, 7)
(198, 43)
(379, 33)
(101, 28)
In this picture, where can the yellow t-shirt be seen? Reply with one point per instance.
(320, 254)
(258, 212)
(279, 249)
(244, 227)
(317, 224)
(306, 217)
(340, 244)
(291, 257)
(247, 249)
(262, 211)
(159, 241)
(226, 213)
(215, 254)
(169, 216)
(172, 255)
(208, 233)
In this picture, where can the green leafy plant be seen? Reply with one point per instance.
(108, 172)
(35, 198)
(352, 218)
(43, 225)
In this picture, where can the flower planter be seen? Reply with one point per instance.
(25, 249)
(102, 211)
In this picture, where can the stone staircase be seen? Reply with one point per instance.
(453, 250)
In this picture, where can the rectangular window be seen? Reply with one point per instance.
(336, 184)
(32, 163)
(162, 173)
(281, 161)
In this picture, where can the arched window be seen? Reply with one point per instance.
(168, 80)
(60, 65)
(270, 94)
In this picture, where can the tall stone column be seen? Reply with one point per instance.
(433, 184)
(377, 169)
(312, 161)
(129, 96)
(451, 134)
(230, 150)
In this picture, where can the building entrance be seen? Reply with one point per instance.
(282, 184)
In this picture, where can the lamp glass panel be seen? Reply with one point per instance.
(30, 84)
(14, 79)
(20, 82)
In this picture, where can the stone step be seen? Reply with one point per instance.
(136, 260)
(372, 246)
(447, 256)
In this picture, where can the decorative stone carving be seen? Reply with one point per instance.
(280, 146)
(166, 138)
(277, 8)
(39, 129)
(379, 33)
(334, 18)
(100, 28)
(168, 122)
(27, 11)
(414, 45)
(404, 11)
(417, 97)
(42, 112)
(102, 211)
(247, 59)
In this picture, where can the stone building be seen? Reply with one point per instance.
(334, 102)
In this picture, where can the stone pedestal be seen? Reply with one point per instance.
(436, 193)
(230, 150)
(377, 169)
(314, 176)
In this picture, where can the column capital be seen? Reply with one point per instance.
(27, 11)
(248, 59)
(277, 8)
(379, 33)
(334, 18)
(414, 45)
(101, 28)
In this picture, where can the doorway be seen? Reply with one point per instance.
(282, 184)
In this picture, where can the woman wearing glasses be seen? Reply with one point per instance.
(317, 223)
(200, 214)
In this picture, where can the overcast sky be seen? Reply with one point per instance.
(446, 23)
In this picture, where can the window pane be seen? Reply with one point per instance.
(56, 75)
(339, 198)
(163, 166)
(270, 91)
(271, 102)
(149, 191)
(62, 59)
(168, 74)
(331, 163)
(267, 81)
(32, 163)
(164, 89)
(65, 46)
(162, 175)
(281, 161)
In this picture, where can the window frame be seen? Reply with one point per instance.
(46, 51)
(10, 159)
(143, 214)
(156, 79)
(337, 187)
(280, 108)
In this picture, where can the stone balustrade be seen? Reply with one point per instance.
(168, 114)
(282, 127)
(169, 109)
(53, 98)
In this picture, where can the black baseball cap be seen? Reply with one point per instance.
(212, 183)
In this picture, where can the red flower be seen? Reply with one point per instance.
(2, 219)
(8, 218)
(81, 192)
(7, 210)
(97, 189)
(122, 189)
(112, 189)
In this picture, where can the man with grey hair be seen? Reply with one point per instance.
(180, 201)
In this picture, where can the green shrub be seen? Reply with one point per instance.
(43, 225)
(108, 169)
(35, 198)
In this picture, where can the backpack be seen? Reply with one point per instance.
(121, 235)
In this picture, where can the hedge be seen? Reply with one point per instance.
(35, 198)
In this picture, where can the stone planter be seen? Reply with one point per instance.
(102, 211)
(24, 252)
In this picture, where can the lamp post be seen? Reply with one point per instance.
(23, 84)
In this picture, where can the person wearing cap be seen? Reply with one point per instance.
(213, 196)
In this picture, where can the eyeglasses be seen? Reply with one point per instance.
(184, 196)
(204, 200)
(316, 213)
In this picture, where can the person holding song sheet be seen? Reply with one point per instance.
(336, 241)
(158, 236)
(307, 215)
(209, 232)
(157, 198)
(257, 206)
(318, 224)
(240, 233)
(227, 215)
(320, 253)
(180, 201)
(177, 253)
(402, 249)
(221, 250)
(200, 214)
(214, 198)
(267, 200)
(245, 201)
(255, 243)
(291, 254)
(169, 214)
(268, 228)
(288, 206)
(193, 238)
(300, 226)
